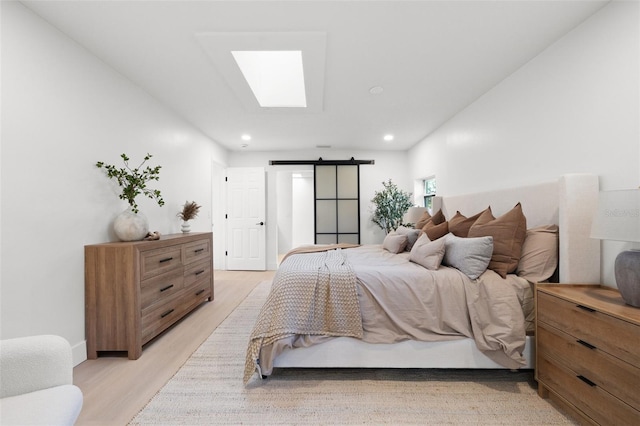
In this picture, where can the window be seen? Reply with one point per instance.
(429, 192)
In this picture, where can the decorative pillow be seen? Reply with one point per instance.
(539, 258)
(508, 232)
(427, 253)
(423, 220)
(434, 231)
(459, 224)
(438, 218)
(395, 243)
(412, 235)
(469, 255)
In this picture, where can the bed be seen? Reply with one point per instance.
(473, 320)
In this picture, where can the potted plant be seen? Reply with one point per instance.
(390, 206)
(189, 211)
(131, 225)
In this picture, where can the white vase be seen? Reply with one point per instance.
(130, 226)
(186, 227)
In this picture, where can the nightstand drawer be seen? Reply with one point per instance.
(156, 262)
(618, 377)
(589, 398)
(608, 333)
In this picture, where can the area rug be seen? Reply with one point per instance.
(208, 389)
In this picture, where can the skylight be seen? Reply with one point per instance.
(275, 77)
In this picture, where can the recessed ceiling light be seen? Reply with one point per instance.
(376, 90)
(244, 145)
(388, 138)
(246, 137)
(276, 77)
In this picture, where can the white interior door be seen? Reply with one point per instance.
(246, 221)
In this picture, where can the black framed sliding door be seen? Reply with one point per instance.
(337, 204)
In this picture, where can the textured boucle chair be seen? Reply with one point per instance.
(36, 382)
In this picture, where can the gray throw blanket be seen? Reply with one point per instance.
(312, 294)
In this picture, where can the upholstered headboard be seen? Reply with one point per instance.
(568, 202)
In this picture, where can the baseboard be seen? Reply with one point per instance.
(79, 352)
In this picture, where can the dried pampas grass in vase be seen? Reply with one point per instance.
(189, 211)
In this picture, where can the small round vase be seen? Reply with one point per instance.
(130, 226)
(627, 271)
(186, 227)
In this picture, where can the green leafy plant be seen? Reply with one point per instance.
(390, 206)
(134, 181)
(189, 211)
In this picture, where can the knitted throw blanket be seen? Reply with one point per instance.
(313, 293)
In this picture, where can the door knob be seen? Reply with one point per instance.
(260, 223)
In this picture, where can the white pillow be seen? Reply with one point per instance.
(395, 243)
(411, 233)
(428, 253)
(469, 255)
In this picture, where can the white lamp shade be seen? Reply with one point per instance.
(618, 216)
(414, 214)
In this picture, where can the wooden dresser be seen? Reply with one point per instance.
(136, 290)
(588, 352)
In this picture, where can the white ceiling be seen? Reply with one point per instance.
(433, 58)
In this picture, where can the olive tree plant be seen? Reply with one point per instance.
(391, 204)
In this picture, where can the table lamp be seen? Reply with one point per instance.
(618, 218)
(413, 215)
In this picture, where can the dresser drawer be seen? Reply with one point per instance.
(618, 377)
(608, 333)
(197, 272)
(158, 261)
(198, 250)
(196, 294)
(159, 288)
(592, 400)
(161, 315)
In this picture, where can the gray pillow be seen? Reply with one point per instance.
(395, 243)
(412, 235)
(471, 256)
(428, 253)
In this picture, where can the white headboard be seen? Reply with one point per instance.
(569, 202)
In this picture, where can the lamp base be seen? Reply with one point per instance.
(627, 270)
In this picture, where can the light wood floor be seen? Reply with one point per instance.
(115, 389)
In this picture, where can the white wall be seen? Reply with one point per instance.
(388, 165)
(285, 210)
(574, 108)
(302, 210)
(63, 110)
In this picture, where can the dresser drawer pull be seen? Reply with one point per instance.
(168, 259)
(588, 345)
(586, 308)
(587, 381)
(200, 292)
(199, 272)
(166, 313)
(198, 250)
(166, 288)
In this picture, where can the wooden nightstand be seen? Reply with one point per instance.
(588, 351)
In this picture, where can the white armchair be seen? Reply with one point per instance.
(36, 382)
